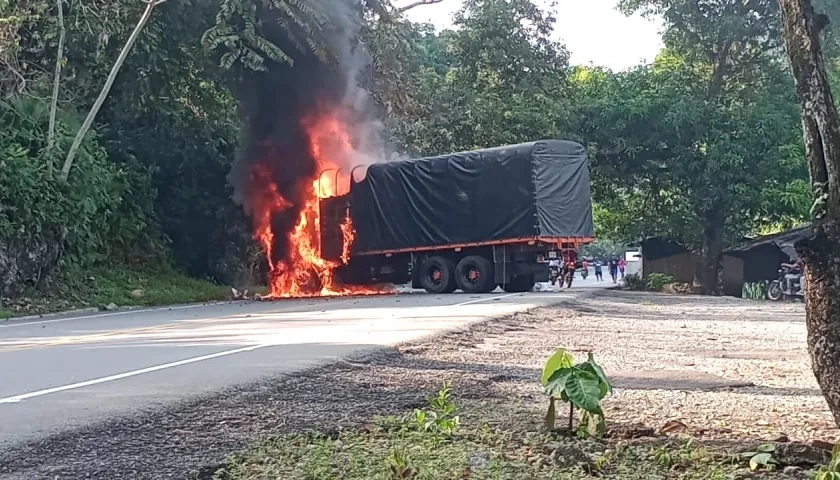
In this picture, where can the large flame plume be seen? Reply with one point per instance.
(301, 271)
(302, 118)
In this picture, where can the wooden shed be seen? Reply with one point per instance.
(759, 259)
(669, 257)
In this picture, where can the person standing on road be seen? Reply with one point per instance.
(622, 266)
(614, 270)
(599, 272)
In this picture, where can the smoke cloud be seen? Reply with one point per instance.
(277, 103)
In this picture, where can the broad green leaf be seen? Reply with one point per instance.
(551, 415)
(599, 372)
(557, 382)
(560, 359)
(760, 460)
(767, 448)
(584, 390)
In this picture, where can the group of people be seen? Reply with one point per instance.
(563, 268)
(616, 266)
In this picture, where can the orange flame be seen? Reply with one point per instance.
(304, 272)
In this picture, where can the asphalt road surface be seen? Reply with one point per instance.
(69, 372)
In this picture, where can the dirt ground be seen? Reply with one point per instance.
(727, 369)
(723, 367)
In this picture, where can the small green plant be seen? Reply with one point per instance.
(684, 456)
(662, 456)
(657, 281)
(762, 457)
(832, 470)
(582, 386)
(399, 464)
(441, 416)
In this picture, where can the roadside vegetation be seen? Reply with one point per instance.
(431, 443)
(107, 289)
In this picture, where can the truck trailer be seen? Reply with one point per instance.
(472, 221)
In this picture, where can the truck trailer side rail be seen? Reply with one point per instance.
(558, 241)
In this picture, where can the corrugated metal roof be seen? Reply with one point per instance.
(784, 240)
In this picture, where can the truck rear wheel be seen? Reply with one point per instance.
(519, 284)
(438, 275)
(475, 274)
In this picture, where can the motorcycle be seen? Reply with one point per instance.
(777, 289)
(553, 275)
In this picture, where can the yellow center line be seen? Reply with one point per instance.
(167, 326)
(99, 336)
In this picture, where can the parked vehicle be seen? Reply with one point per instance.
(470, 221)
(778, 289)
(553, 274)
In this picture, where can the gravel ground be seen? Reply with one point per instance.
(725, 368)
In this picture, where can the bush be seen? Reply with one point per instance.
(657, 281)
(45, 221)
(634, 282)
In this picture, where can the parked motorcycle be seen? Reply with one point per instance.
(553, 275)
(777, 289)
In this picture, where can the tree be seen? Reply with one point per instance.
(664, 157)
(821, 252)
(724, 81)
(498, 79)
(109, 82)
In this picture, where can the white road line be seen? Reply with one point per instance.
(72, 386)
(142, 371)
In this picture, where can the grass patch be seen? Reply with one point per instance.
(431, 444)
(479, 454)
(123, 287)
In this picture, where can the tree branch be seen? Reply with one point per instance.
(80, 136)
(417, 4)
(56, 80)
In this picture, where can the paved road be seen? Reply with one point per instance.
(63, 373)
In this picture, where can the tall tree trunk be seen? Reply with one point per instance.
(712, 250)
(821, 251)
(80, 136)
(56, 81)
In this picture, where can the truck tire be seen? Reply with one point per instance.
(475, 274)
(438, 275)
(519, 284)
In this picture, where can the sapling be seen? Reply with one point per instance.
(582, 386)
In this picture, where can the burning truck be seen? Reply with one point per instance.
(469, 221)
(333, 219)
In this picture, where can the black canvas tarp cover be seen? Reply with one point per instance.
(538, 189)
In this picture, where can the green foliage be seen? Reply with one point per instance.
(241, 34)
(682, 457)
(498, 79)
(441, 417)
(832, 470)
(754, 291)
(603, 248)
(35, 204)
(399, 464)
(762, 457)
(657, 281)
(583, 386)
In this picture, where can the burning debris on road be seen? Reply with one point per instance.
(303, 120)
